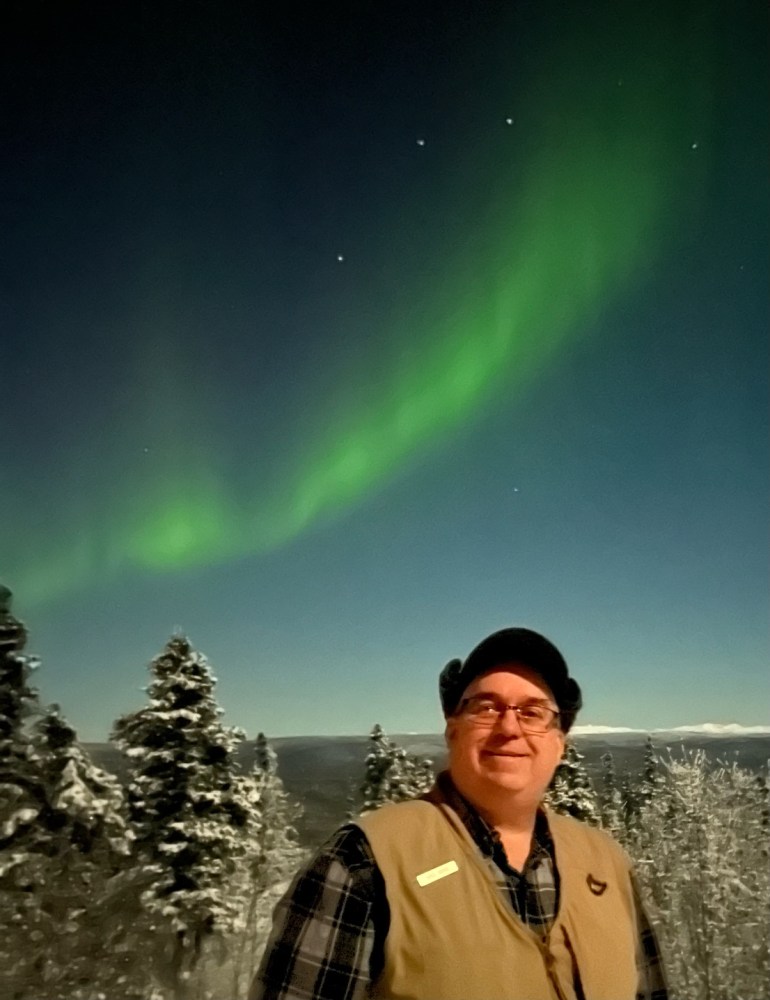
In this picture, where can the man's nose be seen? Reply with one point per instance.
(509, 723)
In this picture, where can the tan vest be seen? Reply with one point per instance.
(454, 938)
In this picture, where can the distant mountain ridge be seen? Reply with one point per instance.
(706, 728)
(323, 773)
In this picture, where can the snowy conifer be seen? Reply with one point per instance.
(571, 791)
(64, 839)
(23, 839)
(611, 803)
(22, 795)
(86, 856)
(392, 774)
(638, 793)
(701, 851)
(188, 809)
(651, 779)
(87, 801)
(273, 857)
(280, 853)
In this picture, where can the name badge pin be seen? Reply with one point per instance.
(434, 874)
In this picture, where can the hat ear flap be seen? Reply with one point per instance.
(448, 686)
(571, 703)
(572, 695)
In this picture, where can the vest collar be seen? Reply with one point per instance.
(486, 838)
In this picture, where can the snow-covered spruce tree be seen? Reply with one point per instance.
(264, 873)
(63, 842)
(22, 793)
(571, 791)
(610, 799)
(81, 922)
(639, 791)
(23, 839)
(629, 805)
(651, 779)
(392, 773)
(189, 811)
(762, 791)
(280, 853)
(701, 851)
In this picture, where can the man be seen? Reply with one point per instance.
(474, 891)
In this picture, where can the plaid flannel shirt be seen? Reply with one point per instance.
(329, 930)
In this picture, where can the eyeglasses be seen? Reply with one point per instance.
(482, 710)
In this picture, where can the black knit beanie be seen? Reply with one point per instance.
(513, 645)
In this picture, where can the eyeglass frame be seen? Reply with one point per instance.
(501, 709)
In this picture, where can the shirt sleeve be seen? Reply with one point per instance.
(652, 983)
(328, 929)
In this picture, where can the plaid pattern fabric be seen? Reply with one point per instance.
(328, 927)
(329, 930)
(533, 893)
(652, 983)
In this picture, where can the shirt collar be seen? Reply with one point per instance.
(486, 836)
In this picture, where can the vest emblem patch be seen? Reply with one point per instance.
(596, 887)
(448, 868)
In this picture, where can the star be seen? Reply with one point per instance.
(509, 121)
(420, 142)
(340, 258)
(694, 145)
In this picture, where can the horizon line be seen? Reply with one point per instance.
(715, 729)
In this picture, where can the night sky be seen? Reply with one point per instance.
(339, 338)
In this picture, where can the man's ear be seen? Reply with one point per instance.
(450, 730)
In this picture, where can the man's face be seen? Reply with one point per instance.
(501, 764)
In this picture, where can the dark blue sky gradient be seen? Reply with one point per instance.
(177, 184)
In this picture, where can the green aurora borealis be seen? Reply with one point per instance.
(608, 172)
(338, 341)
